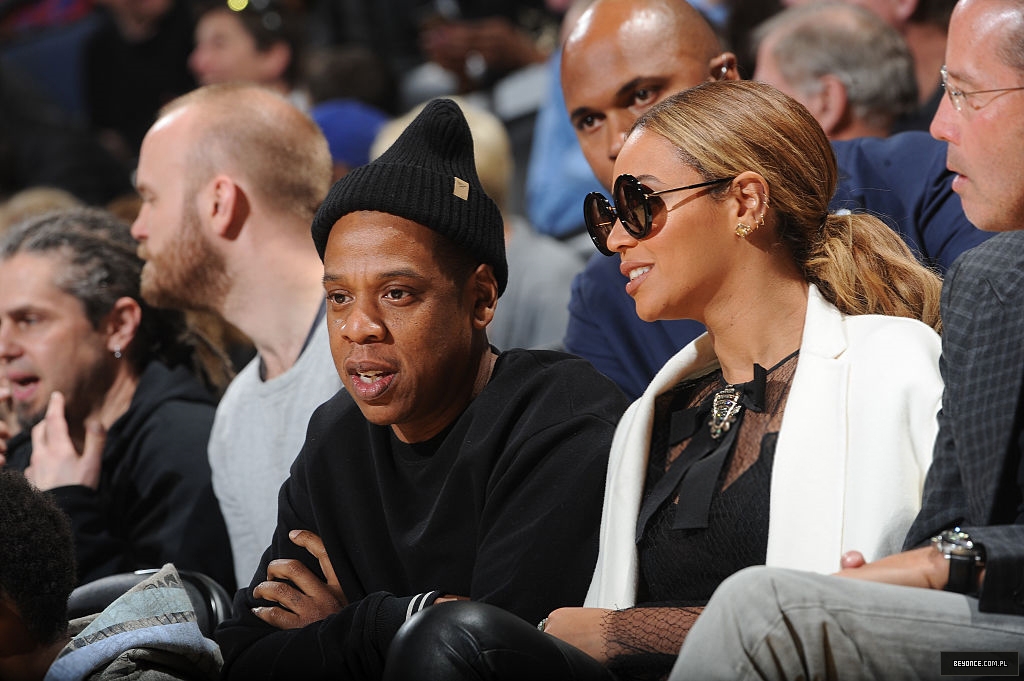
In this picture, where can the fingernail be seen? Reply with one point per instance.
(293, 534)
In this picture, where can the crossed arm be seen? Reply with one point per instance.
(302, 598)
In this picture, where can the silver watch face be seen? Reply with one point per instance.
(955, 542)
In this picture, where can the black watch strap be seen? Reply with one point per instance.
(962, 574)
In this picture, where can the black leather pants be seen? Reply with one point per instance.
(467, 640)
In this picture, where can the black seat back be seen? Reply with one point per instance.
(209, 599)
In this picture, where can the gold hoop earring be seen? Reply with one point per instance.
(743, 230)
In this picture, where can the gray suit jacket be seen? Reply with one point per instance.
(977, 450)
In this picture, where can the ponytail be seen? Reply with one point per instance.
(863, 267)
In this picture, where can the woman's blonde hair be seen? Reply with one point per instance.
(859, 264)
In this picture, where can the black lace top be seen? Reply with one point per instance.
(705, 510)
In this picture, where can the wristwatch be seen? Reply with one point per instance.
(966, 559)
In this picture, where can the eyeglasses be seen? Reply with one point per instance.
(959, 97)
(632, 206)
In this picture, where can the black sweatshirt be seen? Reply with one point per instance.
(155, 502)
(503, 507)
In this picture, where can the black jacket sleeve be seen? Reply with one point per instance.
(155, 505)
(350, 644)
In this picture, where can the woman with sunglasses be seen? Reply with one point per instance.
(799, 427)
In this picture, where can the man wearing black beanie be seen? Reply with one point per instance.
(458, 472)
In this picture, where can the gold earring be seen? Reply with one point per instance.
(760, 221)
(743, 230)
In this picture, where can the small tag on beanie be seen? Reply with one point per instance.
(461, 189)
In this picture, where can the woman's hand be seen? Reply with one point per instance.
(581, 627)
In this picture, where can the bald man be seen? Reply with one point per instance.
(611, 72)
(621, 57)
(231, 176)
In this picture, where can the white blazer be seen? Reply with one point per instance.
(854, 446)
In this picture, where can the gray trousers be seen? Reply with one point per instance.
(769, 623)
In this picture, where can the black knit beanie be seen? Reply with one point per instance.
(428, 176)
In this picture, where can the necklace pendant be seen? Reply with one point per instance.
(724, 409)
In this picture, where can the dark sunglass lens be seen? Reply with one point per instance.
(632, 205)
(599, 218)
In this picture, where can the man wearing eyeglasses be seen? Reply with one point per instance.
(952, 601)
(625, 55)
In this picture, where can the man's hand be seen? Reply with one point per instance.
(55, 461)
(583, 628)
(924, 568)
(852, 559)
(306, 599)
(6, 419)
(5, 435)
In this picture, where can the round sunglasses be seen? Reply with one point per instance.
(632, 206)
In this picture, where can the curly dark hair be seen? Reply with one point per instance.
(37, 564)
